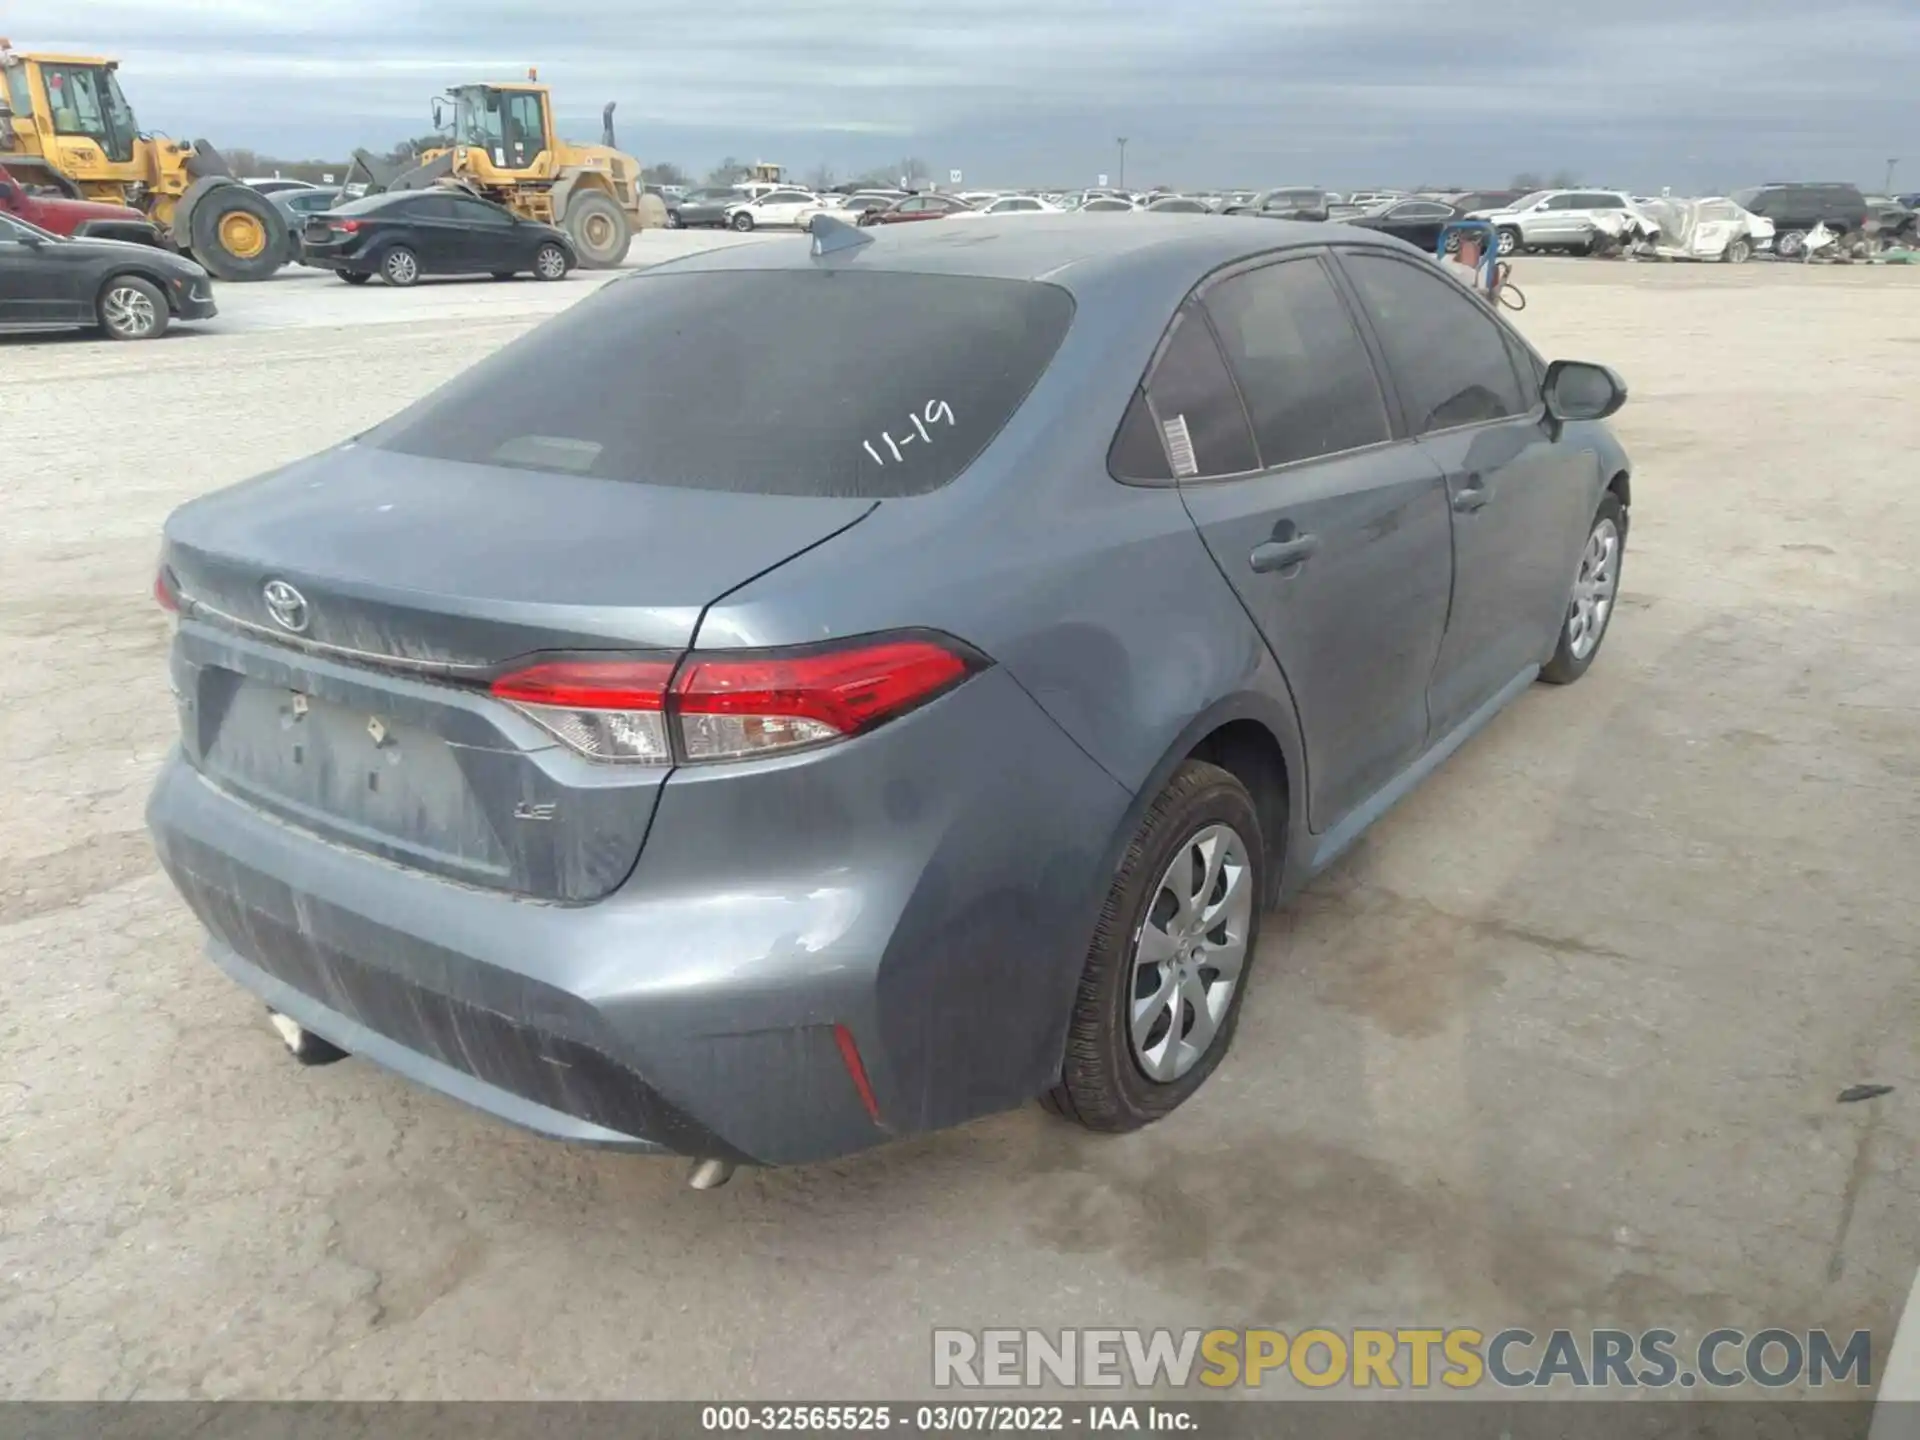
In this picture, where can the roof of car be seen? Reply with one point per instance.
(1066, 248)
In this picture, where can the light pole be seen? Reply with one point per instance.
(1121, 141)
(1891, 164)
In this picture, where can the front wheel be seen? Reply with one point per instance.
(673, 220)
(1596, 586)
(743, 222)
(400, 267)
(550, 262)
(1739, 251)
(130, 308)
(1160, 995)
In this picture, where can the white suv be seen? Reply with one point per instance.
(1555, 219)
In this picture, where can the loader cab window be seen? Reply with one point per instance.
(86, 100)
(507, 124)
(18, 95)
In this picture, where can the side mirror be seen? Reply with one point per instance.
(439, 113)
(8, 192)
(1577, 390)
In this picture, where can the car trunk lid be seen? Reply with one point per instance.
(341, 619)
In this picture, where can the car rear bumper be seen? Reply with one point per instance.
(925, 891)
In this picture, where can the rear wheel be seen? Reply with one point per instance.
(400, 266)
(130, 308)
(1789, 244)
(1739, 251)
(550, 262)
(599, 229)
(236, 234)
(354, 277)
(1161, 991)
(673, 220)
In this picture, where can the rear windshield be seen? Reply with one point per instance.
(775, 382)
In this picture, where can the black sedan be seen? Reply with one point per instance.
(126, 291)
(404, 234)
(703, 208)
(1418, 222)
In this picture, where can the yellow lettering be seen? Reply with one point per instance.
(1303, 1370)
(1217, 1349)
(1373, 1352)
(1266, 1350)
(1463, 1350)
(1421, 1342)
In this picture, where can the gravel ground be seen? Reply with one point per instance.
(1557, 1045)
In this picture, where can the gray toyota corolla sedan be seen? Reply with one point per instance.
(802, 696)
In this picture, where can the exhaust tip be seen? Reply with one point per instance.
(305, 1046)
(709, 1174)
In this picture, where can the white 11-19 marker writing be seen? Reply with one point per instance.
(933, 413)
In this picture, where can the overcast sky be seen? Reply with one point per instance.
(1697, 94)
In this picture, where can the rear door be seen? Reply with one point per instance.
(1519, 500)
(491, 241)
(1333, 533)
(438, 235)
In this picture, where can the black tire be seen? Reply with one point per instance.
(743, 222)
(673, 220)
(1739, 250)
(130, 308)
(1102, 1083)
(551, 262)
(400, 267)
(1506, 241)
(599, 229)
(305, 1046)
(1570, 661)
(1789, 243)
(354, 277)
(210, 229)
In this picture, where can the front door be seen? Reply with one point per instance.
(1337, 538)
(1517, 498)
(41, 281)
(488, 240)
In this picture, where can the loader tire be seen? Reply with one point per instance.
(600, 230)
(236, 234)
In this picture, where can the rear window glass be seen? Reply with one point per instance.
(775, 382)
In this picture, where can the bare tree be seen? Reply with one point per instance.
(821, 177)
(1565, 179)
(726, 172)
(1527, 180)
(665, 172)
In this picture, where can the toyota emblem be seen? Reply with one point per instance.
(286, 605)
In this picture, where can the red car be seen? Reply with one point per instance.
(915, 207)
(66, 214)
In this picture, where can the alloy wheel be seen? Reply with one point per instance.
(128, 311)
(1190, 952)
(1594, 589)
(552, 263)
(402, 268)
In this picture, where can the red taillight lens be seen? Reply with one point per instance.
(163, 592)
(728, 707)
(605, 709)
(731, 707)
(347, 227)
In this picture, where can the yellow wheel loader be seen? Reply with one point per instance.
(503, 146)
(62, 117)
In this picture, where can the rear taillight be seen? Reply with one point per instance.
(347, 227)
(729, 706)
(605, 709)
(164, 593)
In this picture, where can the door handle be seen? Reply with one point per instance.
(1283, 555)
(1472, 494)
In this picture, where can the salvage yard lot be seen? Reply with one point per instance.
(1558, 1045)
